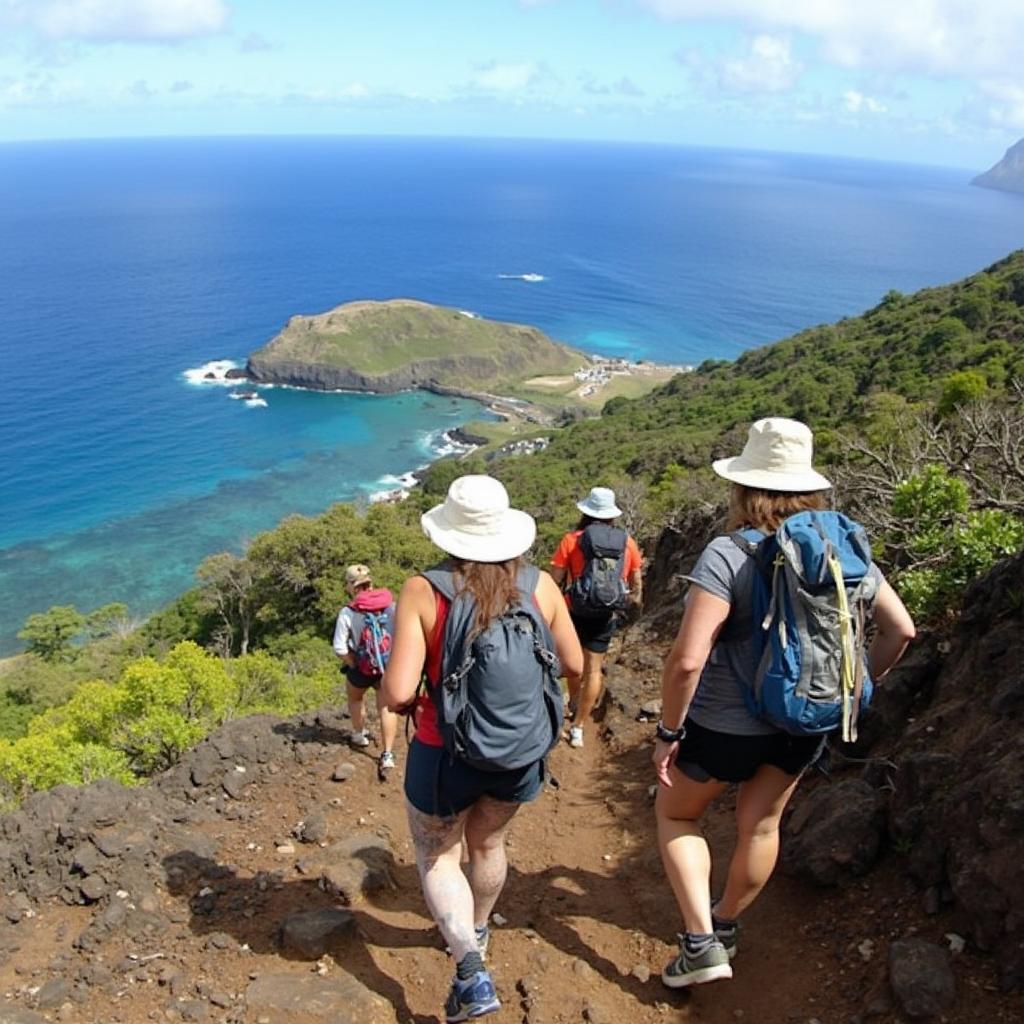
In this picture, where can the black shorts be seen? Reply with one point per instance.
(595, 633)
(358, 680)
(435, 784)
(706, 754)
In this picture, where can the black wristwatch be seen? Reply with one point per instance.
(669, 735)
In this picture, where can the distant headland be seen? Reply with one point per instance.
(1008, 174)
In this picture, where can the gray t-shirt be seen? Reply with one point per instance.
(726, 571)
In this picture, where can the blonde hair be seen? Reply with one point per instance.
(764, 510)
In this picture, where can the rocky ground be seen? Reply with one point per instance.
(269, 878)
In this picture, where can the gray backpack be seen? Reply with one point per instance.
(499, 704)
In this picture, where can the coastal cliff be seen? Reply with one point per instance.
(1008, 174)
(385, 347)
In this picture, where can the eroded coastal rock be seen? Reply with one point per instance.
(383, 347)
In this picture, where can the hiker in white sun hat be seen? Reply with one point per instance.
(776, 457)
(707, 738)
(600, 568)
(513, 715)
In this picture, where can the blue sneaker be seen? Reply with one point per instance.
(471, 998)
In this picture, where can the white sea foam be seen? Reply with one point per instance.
(466, 312)
(214, 372)
(256, 403)
(523, 277)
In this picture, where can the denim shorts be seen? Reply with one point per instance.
(437, 784)
(705, 754)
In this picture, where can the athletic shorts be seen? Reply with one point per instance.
(595, 633)
(436, 784)
(706, 754)
(358, 680)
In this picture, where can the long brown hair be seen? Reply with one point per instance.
(492, 584)
(764, 510)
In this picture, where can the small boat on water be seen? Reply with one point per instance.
(248, 396)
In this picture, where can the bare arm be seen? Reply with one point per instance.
(552, 606)
(636, 587)
(702, 620)
(894, 630)
(415, 609)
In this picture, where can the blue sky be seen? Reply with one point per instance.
(930, 81)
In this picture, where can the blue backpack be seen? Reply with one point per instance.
(499, 704)
(814, 593)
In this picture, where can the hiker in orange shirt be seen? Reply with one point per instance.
(599, 566)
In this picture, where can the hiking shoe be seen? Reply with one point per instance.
(725, 933)
(358, 739)
(576, 736)
(696, 969)
(386, 762)
(471, 998)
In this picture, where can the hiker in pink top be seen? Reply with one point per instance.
(362, 640)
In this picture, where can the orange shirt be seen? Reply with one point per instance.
(569, 556)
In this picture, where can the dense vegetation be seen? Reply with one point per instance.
(918, 408)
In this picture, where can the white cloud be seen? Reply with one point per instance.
(765, 65)
(255, 43)
(116, 20)
(768, 66)
(997, 105)
(858, 103)
(496, 77)
(938, 37)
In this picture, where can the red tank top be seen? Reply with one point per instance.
(426, 712)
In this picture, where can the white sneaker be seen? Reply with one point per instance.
(387, 761)
(576, 736)
(359, 739)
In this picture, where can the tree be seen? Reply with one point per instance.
(50, 634)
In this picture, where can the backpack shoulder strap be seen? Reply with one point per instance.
(527, 583)
(442, 580)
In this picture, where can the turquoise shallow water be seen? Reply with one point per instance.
(123, 264)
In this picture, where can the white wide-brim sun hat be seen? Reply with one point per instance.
(476, 523)
(778, 456)
(600, 504)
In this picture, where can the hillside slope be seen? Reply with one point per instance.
(389, 346)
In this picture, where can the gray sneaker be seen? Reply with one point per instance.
(688, 969)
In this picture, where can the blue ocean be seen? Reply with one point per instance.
(126, 264)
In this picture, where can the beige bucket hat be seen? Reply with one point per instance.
(776, 457)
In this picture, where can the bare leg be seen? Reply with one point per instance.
(759, 808)
(356, 711)
(684, 850)
(438, 845)
(590, 686)
(486, 827)
(388, 724)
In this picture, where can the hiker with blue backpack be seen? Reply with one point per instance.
(489, 635)
(362, 640)
(772, 656)
(600, 568)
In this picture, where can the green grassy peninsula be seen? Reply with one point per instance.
(390, 346)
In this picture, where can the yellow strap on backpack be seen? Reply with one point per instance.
(847, 661)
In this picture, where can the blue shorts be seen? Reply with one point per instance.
(437, 785)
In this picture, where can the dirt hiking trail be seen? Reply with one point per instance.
(581, 931)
